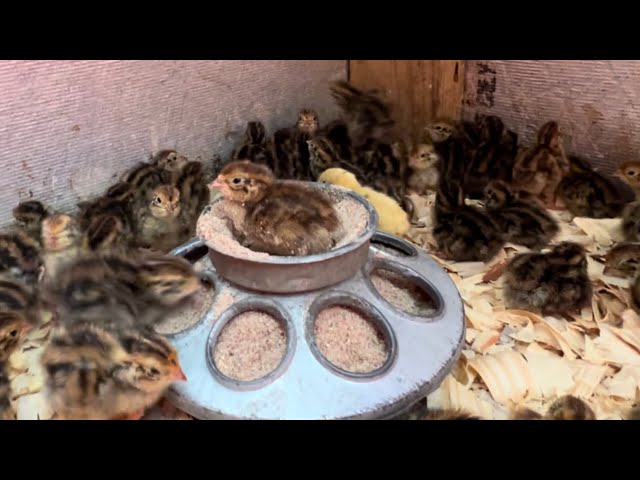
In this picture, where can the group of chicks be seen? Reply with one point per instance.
(517, 186)
(103, 278)
(363, 150)
(104, 360)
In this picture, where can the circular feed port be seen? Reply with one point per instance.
(193, 311)
(404, 289)
(250, 345)
(349, 336)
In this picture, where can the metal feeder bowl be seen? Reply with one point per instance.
(305, 385)
(300, 274)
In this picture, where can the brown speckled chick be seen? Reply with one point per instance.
(29, 216)
(523, 221)
(540, 169)
(567, 407)
(553, 283)
(282, 218)
(6, 409)
(94, 373)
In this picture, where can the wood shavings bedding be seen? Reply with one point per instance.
(516, 358)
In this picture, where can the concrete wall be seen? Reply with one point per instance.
(67, 128)
(596, 102)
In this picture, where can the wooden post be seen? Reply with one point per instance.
(419, 90)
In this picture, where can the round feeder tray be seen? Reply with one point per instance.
(281, 274)
(421, 350)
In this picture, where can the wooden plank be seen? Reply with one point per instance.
(419, 90)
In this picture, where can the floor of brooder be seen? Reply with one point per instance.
(510, 357)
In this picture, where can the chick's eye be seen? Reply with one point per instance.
(13, 333)
(236, 181)
(154, 371)
(158, 200)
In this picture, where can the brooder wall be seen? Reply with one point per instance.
(596, 102)
(68, 128)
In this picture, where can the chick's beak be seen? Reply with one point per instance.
(217, 183)
(179, 375)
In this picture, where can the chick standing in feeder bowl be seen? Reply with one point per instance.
(281, 218)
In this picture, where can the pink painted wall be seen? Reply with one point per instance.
(67, 128)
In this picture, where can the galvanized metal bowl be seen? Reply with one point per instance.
(300, 274)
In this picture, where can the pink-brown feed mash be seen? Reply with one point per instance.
(188, 315)
(250, 346)
(402, 293)
(213, 227)
(349, 340)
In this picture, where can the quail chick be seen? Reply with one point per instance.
(439, 131)
(29, 216)
(337, 133)
(634, 414)
(104, 233)
(79, 361)
(523, 222)
(17, 296)
(158, 224)
(463, 232)
(540, 169)
(256, 147)
(13, 328)
(152, 366)
(423, 164)
(6, 409)
(553, 283)
(194, 197)
(367, 115)
(108, 288)
(169, 160)
(567, 407)
(290, 147)
(103, 289)
(631, 221)
(168, 282)
(448, 414)
(20, 257)
(324, 155)
(282, 218)
(623, 260)
(629, 173)
(145, 177)
(587, 193)
(60, 242)
(493, 157)
(96, 374)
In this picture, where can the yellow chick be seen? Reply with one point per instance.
(391, 217)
